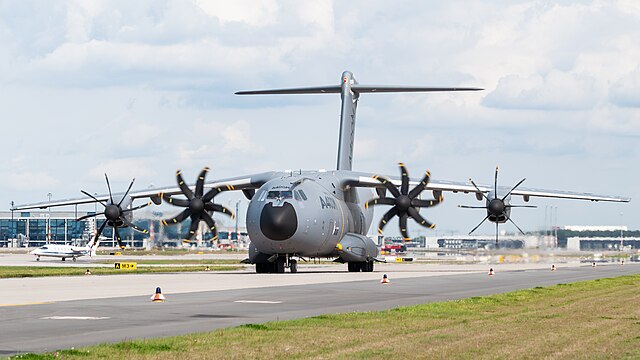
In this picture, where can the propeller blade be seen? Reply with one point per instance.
(183, 186)
(134, 226)
(419, 203)
(404, 175)
(471, 207)
(93, 197)
(514, 224)
(109, 187)
(220, 209)
(477, 188)
(403, 227)
(215, 191)
(100, 231)
(195, 221)
(496, 234)
(386, 217)
(174, 201)
(126, 192)
(420, 187)
(495, 183)
(178, 218)
(380, 201)
(387, 183)
(477, 226)
(117, 236)
(200, 182)
(521, 206)
(211, 224)
(419, 219)
(513, 188)
(87, 216)
(137, 207)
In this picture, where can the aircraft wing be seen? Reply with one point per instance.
(368, 180)
(247, 182)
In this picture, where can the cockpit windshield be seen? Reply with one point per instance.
(275, 194)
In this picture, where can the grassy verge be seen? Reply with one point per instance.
(585, 320)
(179, 262)
(168, 251)
(35, 271)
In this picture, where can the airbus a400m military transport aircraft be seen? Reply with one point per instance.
(324, 214)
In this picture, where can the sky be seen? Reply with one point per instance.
(141, 89)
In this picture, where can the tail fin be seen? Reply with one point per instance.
(350, 90)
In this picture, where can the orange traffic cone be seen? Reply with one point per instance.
(157, 297)
(491, 272)
(88, 272)
(385, 280)
(553, 268)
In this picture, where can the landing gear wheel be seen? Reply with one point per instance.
(38, 258)
(63, 259)
(279, 266)
(293, 266)
(353, 266)
(262, 268)
(74, 259)
(368, 266)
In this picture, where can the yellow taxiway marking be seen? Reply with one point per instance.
(30, 303)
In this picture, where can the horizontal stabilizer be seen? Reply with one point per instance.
(329, 89)
(391, 88)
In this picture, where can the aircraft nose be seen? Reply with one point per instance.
(278, 223)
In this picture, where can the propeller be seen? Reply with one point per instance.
(114, 214)
(199, 205)
(405, 203)
(497, 207)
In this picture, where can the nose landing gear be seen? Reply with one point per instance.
(278, 266)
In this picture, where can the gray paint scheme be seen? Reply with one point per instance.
(333, 206)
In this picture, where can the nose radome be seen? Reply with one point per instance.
(278, 223)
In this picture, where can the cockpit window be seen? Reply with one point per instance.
(274, 194)
(296, 195)
(44, 248)
(302, 194)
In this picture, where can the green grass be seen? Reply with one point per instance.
(179, 262)
(585, 320)
(40, 271)
(169, 251)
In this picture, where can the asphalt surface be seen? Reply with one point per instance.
(47, 327)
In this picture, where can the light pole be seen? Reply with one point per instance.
(13, 224)
(49, 220)
(237, 235)
(621, 232)
(555, 227)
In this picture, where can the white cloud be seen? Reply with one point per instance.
(553, 91)
(626, 91)
(122, 170)
(30, 180)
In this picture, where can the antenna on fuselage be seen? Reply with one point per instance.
(350, 91)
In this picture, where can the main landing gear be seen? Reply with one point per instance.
(278, 266)
(364, 266)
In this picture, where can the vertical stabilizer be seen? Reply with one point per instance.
(350, 91)
(347, 122)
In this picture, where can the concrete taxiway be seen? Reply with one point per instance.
(230, 299)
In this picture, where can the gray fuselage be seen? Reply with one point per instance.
(306, 214)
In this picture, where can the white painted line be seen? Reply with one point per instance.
(75, 318)
(258, 302)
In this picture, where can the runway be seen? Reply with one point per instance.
(66, 324)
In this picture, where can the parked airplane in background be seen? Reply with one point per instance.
(65, 251)
(319, 214)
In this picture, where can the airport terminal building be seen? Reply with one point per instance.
(36, 228)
